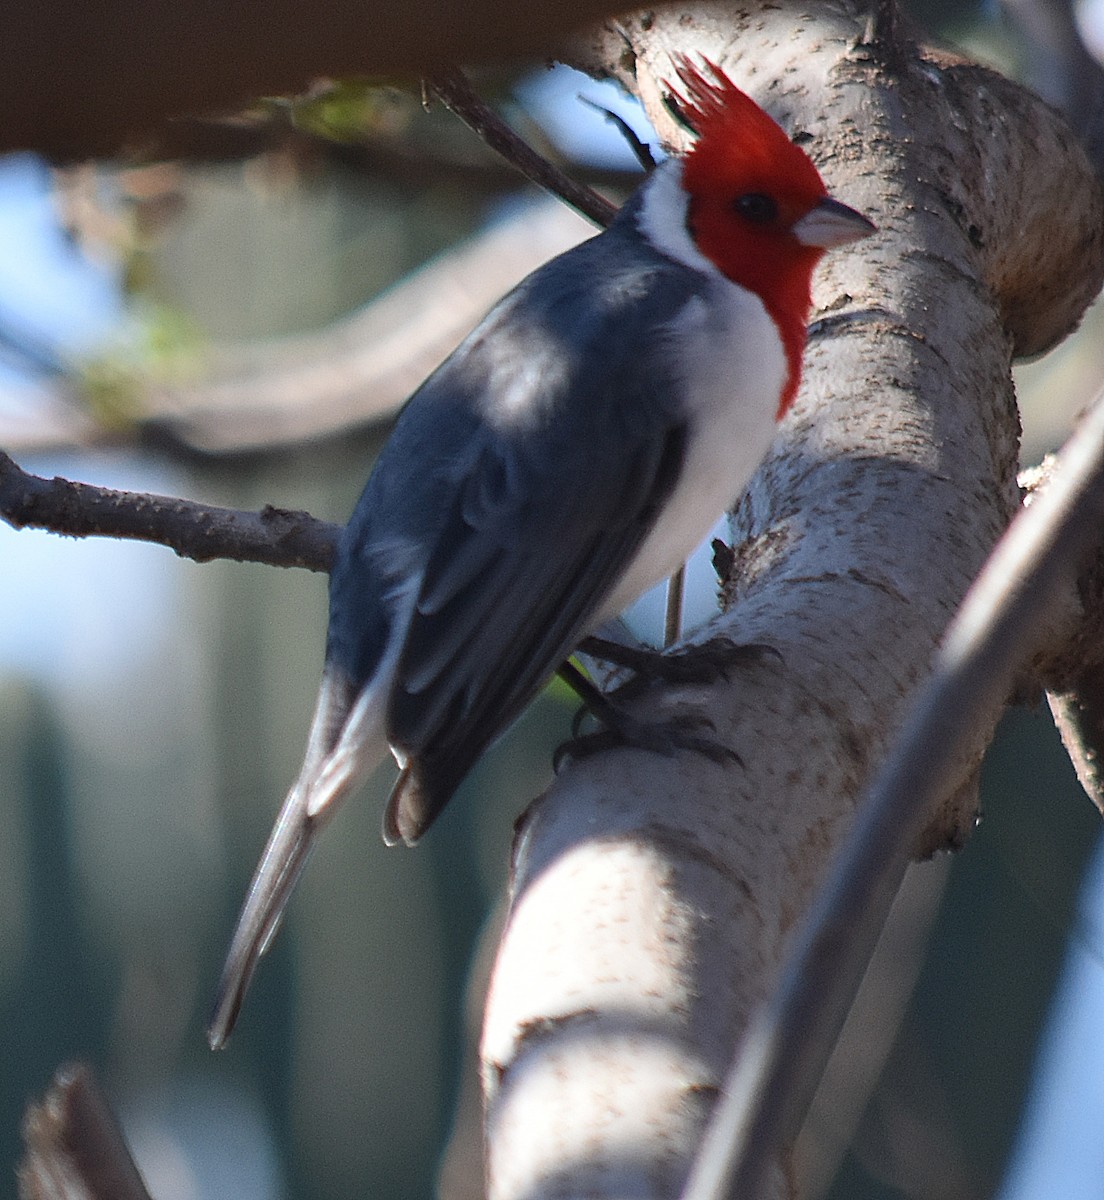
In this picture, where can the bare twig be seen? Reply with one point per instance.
(201, 532)
(641, 150)
(454, 91)
(993, 635)
(1079, 717)
(75, 1150)
(672, 614)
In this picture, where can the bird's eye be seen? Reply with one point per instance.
(756, 207)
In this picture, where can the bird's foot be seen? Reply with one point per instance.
(621, 729)
(702, 662)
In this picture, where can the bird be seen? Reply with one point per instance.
(568, 455)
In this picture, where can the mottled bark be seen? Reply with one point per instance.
(653, 895)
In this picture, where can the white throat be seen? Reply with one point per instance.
(732, 368)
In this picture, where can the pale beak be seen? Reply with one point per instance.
(832, 224)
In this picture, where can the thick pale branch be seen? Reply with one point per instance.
(1000, 628)
(654, 896)
(198, 531)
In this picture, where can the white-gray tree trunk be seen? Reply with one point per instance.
(653, 895)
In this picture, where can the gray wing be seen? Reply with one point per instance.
(514, 587)
(515, 490)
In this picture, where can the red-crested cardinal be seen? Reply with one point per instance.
(570, 454)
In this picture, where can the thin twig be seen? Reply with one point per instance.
(454, 91)
(997, 628)
(275, 536)
(672, 613)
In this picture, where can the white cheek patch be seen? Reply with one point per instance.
(662, 218)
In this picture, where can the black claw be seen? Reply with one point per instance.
(664, 738)
(587, 744)
(702, 663)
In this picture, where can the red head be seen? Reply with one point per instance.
(758, 208)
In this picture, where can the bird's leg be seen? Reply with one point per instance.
(595, 701)
(620, 728)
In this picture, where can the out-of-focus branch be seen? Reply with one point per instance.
(390, 154)
(78, 82)
(197, 531)
(361, 368)
(74, 1147)
(355, 371)
(1060, 68)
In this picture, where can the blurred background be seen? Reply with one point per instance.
(152, 711)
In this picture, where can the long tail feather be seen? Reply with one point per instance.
(285, 855)
(346, 743)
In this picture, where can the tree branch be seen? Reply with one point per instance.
(354, 372)
(1002, 624)
(200, 532)
(134, 65)
(652, 896)
(454, 91)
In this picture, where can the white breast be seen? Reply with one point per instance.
(734, 368)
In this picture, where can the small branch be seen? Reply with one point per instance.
(454, 91)
(75, 1149)
(202, 532)
(672, 613)
(994, 634)
(641, 150)
(1079, 717)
